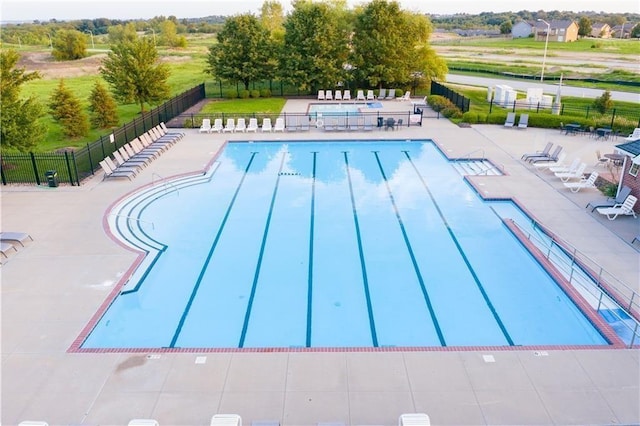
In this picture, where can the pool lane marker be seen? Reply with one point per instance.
(203, 270)
(311, 237)
(256, 275)
(461, 251)
(365, 281)
(416, 268)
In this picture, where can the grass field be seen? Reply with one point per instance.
(506, 45)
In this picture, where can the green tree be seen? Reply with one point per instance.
(315, 50)
(244, 52)
(134, 72)
(104, 113)
(69, 45)
(272, 18)
(391, 46)
(635, 31)
(169, 35)
(603, 103)
(65, 108)
(123, 33)
(505, 27)
(584, 26)
(20, 125)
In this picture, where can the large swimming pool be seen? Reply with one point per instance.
(330, 244)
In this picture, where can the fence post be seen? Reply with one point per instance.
(4, 179)
(75, 167)
(587, 112)
(35, 167)
(90, 159)
(66, 159)
(613, 118)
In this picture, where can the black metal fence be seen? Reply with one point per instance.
(73, 166)
(462, 102)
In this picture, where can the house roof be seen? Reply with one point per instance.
(631, 148)
(598, 25)
(554, 24)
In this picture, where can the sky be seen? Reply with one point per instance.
(44, 10)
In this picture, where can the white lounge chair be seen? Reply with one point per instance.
(291, 123)
(206, 126)
(226, 420)
(338, 95)
(321, 95)
(563, 169)
(230, 126)
(611, 201)
(7, 248)
(625, 208)
(370, 95)
(178, 135)
(524, 121)
(590, 182)
(328, 95)
(634, 136)
(253, 125)
(420, 103)
(391, 95)
(304, 125)
(17, 237)
(217, 125)
(544, 152)
(405, 97)
(577, 173)
(360, 95)
(143, 422)
(266, 125)
(279, 126)
(241, 125)
(382, 93)
(546, 157)
(347, 95)
(511, 119)
(33, 423)
(541, 165)
(414, 419)
(110, 172)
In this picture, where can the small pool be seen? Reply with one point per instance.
(341, 109)
(366, 244)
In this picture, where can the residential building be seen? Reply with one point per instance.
(521, 29)
(600, 30)
(561, 31)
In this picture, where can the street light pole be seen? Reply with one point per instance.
(546, 44)
(93, 46)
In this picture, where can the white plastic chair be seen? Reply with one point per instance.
(226, 420)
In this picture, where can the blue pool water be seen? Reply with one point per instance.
(341, 244)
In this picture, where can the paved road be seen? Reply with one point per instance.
(550, 89)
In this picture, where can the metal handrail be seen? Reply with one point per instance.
(165, 182)
(572, 261)
(498, 167)
(468, 155)
(134, 219)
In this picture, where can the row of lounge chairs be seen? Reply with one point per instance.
(11, 242)
(408, 419)
(132, 157)
(293, 123)
(328, 95)
(523, 123)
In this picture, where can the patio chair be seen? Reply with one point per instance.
(279, 126)
(110, 172)
(601, 160)
(338, 95)
(611, 201)
(405, 97)
(341, 123)
(17, 237)
(590, 182)
(625, 209)
(241, 125)
(346, 96)
(304, 123)
(6, 249)
(355, 122)
(291, 123)
(328, 95)
(217, 125)
(382, 93)
(120, 168)
(206, 126)
(414, 419)
(266, 125)
(577, 173)
(391, 95)
(390, 123)
(143, 422)
(511, 119)
(230, 126)
(634, 136)
(178, 135)
(360, 95)
(137, 163)
(226, 420)
(546, 157)
(370, 95)
(321, 95)
(253, 125)
(524, 121)
(368, 123)
(544, 152)
(541, 165)
(563, 169)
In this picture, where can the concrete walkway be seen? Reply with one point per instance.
(53, 286)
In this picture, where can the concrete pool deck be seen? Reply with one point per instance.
(53, 286)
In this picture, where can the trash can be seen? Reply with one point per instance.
(52, 178)
(380, 121)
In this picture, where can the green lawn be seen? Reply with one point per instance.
(245, 106)
(623, 47)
